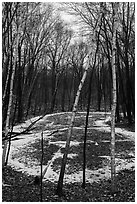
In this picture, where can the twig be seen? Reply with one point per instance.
(23, 132)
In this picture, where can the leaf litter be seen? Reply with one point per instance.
(25, 153)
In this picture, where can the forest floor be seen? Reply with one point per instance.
(25, 158)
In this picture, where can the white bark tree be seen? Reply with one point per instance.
(114, 99)
(64, 160)
(7, 126)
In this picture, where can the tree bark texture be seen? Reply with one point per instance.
(64, 160)
(10, 102)
(113, 110)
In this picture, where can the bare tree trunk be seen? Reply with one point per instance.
(86, 126)
(64, 160)
(8, 113)
(10, 102)
(6, 85)
(28, 102)
(117, 105)
(63, 93)
(113, 110)
(19, 87)
(99, 89)
(13, 120)
(54, 94)
(88, 109)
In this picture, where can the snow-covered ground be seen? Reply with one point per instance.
(33, 168)
(101, 125)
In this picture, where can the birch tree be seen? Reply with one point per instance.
(64, 160)
(7, 127)
(113, 111)
(8, 15)
(89, 100)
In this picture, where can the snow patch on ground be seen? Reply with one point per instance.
(63, 143)
(33, 168)
(102, 126)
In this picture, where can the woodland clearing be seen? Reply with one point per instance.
(25, 155)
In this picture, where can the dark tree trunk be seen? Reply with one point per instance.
(53, 87)
(117, 105)
(99, 89)
(63, 94)
(121, 86)
(86, 126)
(128, 90)
(19, 87)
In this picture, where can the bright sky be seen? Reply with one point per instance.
(69, 19)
